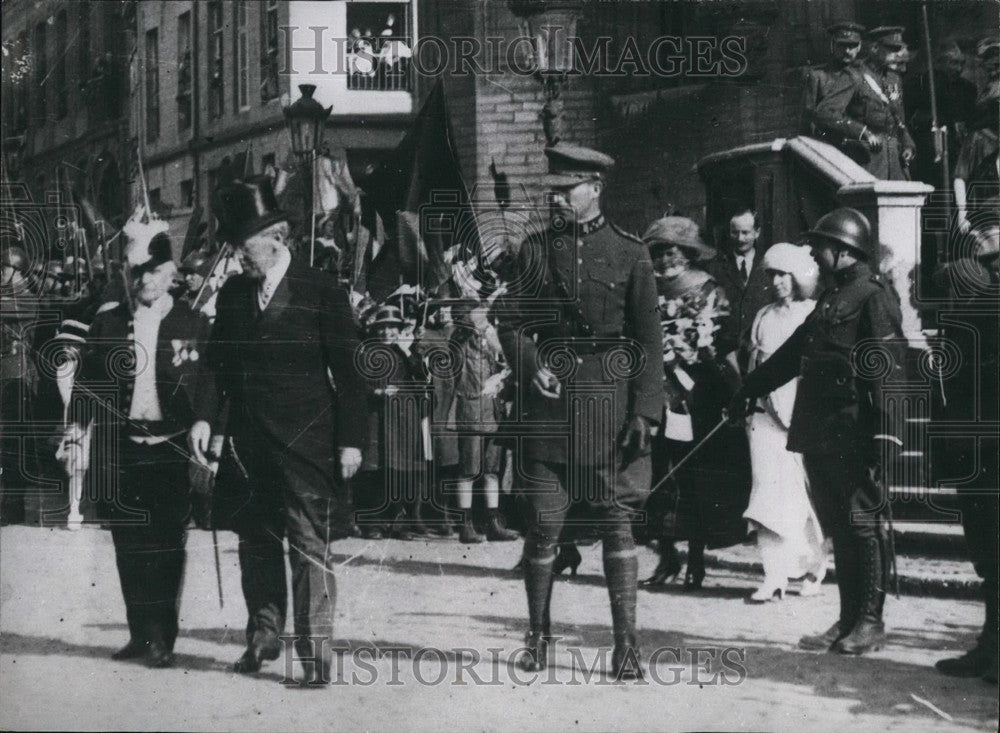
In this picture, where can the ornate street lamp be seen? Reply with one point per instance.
(551, 27)
(306, 120)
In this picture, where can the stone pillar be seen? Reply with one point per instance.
(893, 208)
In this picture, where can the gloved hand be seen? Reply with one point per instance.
(636, 439)
(740, 406)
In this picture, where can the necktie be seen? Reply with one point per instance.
(744, 276)
(265, 293)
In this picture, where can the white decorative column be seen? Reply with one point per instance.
(893, 208)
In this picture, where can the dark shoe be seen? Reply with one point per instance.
(158, 656)
(625, 661)
(867, 636)
(467, 534)
(568, 557)
(695, 573)
(133, 650)
(256, 654)
(535, 655)
(373, 532)
(667, 569)
(496, 531)
(974, 663)
(822, 642)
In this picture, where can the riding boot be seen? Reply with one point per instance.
(868, 634)
(978, 661)
(621, 571)
(845, 557)
(538, 586)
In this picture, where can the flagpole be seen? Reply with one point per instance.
(312, 208)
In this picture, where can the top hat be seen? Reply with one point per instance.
(571, 165)
(846, 32)
(245, 207)
(678, 231)
(890, 36)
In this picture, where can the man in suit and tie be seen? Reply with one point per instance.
(282, 354)
(738, 269)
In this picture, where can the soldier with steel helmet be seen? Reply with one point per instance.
(845, 352)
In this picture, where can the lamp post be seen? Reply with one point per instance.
(305, 121)
(551, 27)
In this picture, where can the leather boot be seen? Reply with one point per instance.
(621, 570)
(868, 634)
(467, 533)
(978, 661)
(845, 555)
(496, 531)
(538, 586)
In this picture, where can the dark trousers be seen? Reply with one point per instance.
(850, 507)
(148, 520)
(293, 497)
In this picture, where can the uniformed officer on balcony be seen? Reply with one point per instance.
(846, 351)
(868, 107)
(581, 329)
(843, 67)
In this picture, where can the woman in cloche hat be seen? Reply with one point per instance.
(788, 533)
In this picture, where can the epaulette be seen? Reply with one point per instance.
(627, 235)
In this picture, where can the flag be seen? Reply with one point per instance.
(420, 195)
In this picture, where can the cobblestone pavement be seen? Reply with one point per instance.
(62, 616)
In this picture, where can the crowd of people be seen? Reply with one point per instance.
(586, 373)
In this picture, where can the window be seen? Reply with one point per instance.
(241, 60)
(152, 84)
(41, 69)
(379, 46)
(62, 93)
(184, 71)
(216, 84)
(83, 42)
(187, 194)
(269, 51)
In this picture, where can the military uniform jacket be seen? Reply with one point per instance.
(863, 99)
(849, 348)
(583, 304)
(820, 81)
(110, 361)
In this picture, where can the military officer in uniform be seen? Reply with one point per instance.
(845, 351)
(580, 327)
(868, 107)
(843, 68)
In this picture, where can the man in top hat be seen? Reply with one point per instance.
(868, 107)
(143, 351)
(282, 354)
(843, 66)
(840, 421)
(581, 331)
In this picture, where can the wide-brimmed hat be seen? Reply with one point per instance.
(797, 261)
(678, 231)
(245, 207)
(571, 165)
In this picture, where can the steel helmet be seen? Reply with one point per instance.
(846, 227)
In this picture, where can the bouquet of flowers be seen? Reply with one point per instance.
(689, 324)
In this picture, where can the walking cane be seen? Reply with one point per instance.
(218, 565)
(681, 462)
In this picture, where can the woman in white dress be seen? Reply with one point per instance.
(780, 512)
